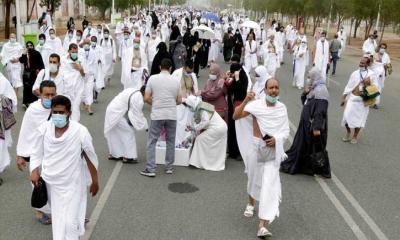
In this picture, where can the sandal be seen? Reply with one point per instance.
(249, 211)
(263, 233)
(45, 219)
(110, 157)
(346, 139)
(354, 141)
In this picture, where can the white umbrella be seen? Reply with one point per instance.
(204, 32)
(251, 24)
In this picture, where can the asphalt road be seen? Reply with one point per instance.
(360, 202)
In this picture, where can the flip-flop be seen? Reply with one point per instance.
(263, 233)
(45, 219)
(346, 139)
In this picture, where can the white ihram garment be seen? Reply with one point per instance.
(7, 90)
(264, 183)
(109, 55)
(13, 70)
(250, 59)
(321, 57)
(209, 150)
(355, 112)
(300, 64)
(34, 116)
(214, 49)
(120, 135)
(66, 175)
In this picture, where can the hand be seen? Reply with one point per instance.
(114, 61)
(317, 133)
(270, 142)
(250, 96)
(94, 188)
(237, 74)
(77, 66)
(21, 163)
(35, 177)
(343, 103)
(14, 60)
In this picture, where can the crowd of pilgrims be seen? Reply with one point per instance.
(161, 54)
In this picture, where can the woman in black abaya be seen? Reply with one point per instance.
(162, 52)
(309, 136)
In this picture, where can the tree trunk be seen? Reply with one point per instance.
(7, 25)
(340, 19)
(357, 24)
(314, 25)
(30, 14)
(351, 27)
(383, 30)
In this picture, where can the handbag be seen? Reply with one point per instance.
(39, 194)
(319, 159)
(7, 114)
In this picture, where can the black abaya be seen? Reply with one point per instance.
(31, 69)
(298, 160)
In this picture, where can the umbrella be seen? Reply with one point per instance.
(204, 32)
(211, 16)
(251, 24)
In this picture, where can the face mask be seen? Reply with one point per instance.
(86, 47)
(188, 74)
(363, 69)
(74, 56)
(93, 44)
(41, 41)
(13, 40)
(126, 37)
(89, 27)
(137, 46)
(78, 38)
(59, 120)
(212, 77)
(52, 36)
(46, 103)
(106, 36)
(53, 67)
(322, 38)
(271, 99)
(382, 51)
(99, 31)
(70, 35)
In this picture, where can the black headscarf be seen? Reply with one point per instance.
(175, 33)
(161, 54)
(239, 88)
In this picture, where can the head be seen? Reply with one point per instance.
(99, 28)
(70, 33)
(215, 72)
(60, 111)
(323, 35)
(336, 36)
(86, 44)
(271, 90)
(126, 34)
(73, 51)
(136, 43)
(79, 35)
(93, 41)
(188, 67)
(192, 102)
(13, 38)
(313, 76)
(42, 39)
(52, 34)
(364, 63)
(106, 33)
(29, 45)
(250, 37)
(166, 65)
(47, 91)
(382, 48)
(371, 37)
(44, 22)
(162, 47)
(261, 73)
(54, 63)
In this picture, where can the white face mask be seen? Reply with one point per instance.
(322, 38)
(382, 51)
(212, 77)
(53, 67)
(52, 36)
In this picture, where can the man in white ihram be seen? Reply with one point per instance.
(270, 130)
(64, 151)
(322, 54)
(124, 115)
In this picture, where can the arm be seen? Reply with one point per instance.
(239, 111)
(89, 155)
(204, 123)
(147, 97)
(94, 188)
(320, 114)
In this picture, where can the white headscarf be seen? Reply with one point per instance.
(193, 101)
(259, 85)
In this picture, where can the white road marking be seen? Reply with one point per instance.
(342, 211)
(102, 201)
(330, 80)
(378, 232)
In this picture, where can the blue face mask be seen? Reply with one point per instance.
(59, 120)
(271, 99)
(46, 103)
